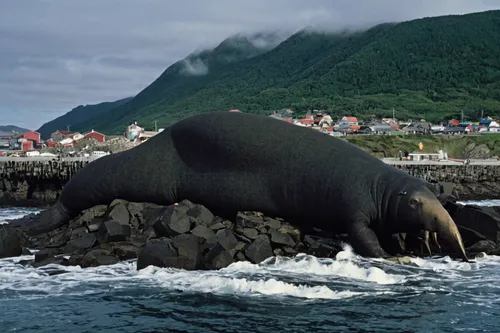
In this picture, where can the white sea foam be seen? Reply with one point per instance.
(301, 277)
(486, 203)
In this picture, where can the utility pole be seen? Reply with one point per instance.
(393, 115)
(462, 115)
(67, 127)
(482, 114)
(155, 126)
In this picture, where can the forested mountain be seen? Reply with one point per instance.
(431, 67)
(78, 115)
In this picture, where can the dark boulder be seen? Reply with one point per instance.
(158, 252)
(189, 250)
(259, 250)
(174, 222)
(201, 215)
(120, 214)
(482, 220)
(83, 243)
(98, 257)
(11, 242)
(217, 257)
(113, 231)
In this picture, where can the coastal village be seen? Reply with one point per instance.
(66, 143)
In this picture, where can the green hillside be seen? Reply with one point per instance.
(432, 67)
(78, 115)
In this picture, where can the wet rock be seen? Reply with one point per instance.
(174, 222)
(78, 232)
(321, 247)
(483, 220)
(120, 214)
(150, 216)
(259, 250)
(273, 223)
(189, 250)
(205, 233)
(245, 221)
(482, 246)
(125, 250)
(249, 233)
(218, 257)
(11, 242)
(98, 257)
(227, 239)
(201, 215)
(93, 225)
(186, 203)
(113, 231)
(280, 238)
(47, 253)
(158, 252)
(86, 242)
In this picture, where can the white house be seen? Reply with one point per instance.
(348, 122)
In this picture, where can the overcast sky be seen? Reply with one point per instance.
(57, 54)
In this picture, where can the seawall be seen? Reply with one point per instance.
(38, 181)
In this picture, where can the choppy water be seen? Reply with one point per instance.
(303, 294)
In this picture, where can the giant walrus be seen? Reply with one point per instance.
(232, 162)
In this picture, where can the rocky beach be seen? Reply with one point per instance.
(188, 236)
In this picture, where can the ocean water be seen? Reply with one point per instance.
(301, 294)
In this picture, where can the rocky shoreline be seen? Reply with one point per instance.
(189, 236)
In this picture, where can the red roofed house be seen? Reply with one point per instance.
(99, 137)
(234, 110)
(349, 122)
(454, 122)
(60, 135)
(32, 136)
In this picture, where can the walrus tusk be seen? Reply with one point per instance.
(426, 241)
(447, 230)
(435, 240)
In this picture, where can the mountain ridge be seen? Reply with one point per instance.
(429, 67)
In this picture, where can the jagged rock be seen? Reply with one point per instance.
(205, 233)
(218, 257)
(86, 242)
(174, 222)
(98, 257)
(11, 242)
(93, 225)
(245, 221)
(117, 202)
(47, 253)
(240, 256)
(136, 208)
(158, 252)
(187, 203)
(483, 220)
(113, 231)
(125, 250)
(201, 215)
(188, 247)
(482, 246)
(227, 239)
(78, 232)
(249, 233)
(120, 214)
(259, 250)
(281, 238)
(320, 247)
(273, 223)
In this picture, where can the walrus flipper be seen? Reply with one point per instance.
(364, 241)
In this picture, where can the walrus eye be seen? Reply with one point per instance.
(413, 201)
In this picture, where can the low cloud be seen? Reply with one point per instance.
(194, 67)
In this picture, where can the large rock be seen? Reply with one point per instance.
(158, 252)
(11, 242)
(483, 220)
(174, 222)
(259, 250)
